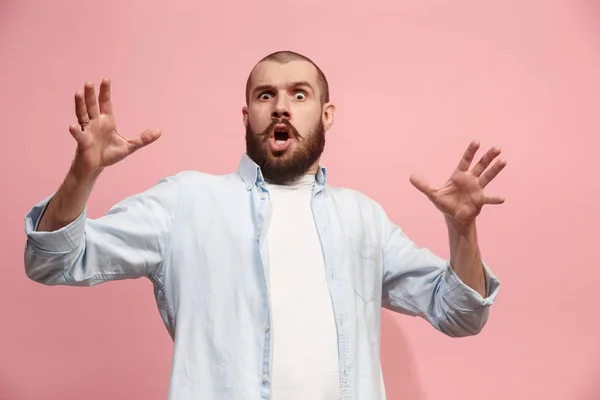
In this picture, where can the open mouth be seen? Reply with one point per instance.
(281, 134)
(280, 139)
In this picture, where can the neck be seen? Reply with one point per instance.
(314, 168)
(308, 177)
(306, 181)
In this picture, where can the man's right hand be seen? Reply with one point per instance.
(99, 145)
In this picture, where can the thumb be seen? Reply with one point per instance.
(421, 184)
(77, 133)
(143, 140)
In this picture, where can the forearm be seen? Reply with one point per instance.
(465, 256)
(69, 200)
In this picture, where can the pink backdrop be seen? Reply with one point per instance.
(414, 83)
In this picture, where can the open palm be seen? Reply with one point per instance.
(462, 197)
(99, 143)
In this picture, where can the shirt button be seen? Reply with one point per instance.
(263, 196)
(266, 328)
(265, 378)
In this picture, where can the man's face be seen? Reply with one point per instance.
(285, 120)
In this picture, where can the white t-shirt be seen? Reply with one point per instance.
(305, 353)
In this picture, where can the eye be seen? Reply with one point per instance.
(300, 95)
(265, 95)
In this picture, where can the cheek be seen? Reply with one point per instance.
(306, 120)
(259, 118)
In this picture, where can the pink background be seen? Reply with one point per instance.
(414, 82)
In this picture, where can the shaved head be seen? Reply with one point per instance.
(286, 115)
(284, 57)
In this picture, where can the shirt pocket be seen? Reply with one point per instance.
(364, 269)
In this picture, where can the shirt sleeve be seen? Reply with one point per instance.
(131, 240)
(417, 282)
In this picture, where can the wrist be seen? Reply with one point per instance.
(82, 173)
(460, 227)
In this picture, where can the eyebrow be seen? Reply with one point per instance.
(261, 88)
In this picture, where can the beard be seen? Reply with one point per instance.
(291, 164)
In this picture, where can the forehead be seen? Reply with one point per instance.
(277, 74)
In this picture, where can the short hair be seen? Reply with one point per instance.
(285, 56)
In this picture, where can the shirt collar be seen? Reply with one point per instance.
(251, 174)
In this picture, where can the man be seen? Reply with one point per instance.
(269, 280)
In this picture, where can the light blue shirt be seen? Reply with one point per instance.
(199, 239)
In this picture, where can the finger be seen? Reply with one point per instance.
(491, 173)
(422, 185)
(77, 133)
(147, 137)
(485, 161)
(90, 100)
(81, 109)
(104, 97)
(468, 156)
(493, 200)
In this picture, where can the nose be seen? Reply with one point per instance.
(281, 110)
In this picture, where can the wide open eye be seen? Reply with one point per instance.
(300, 95)
(265, 95)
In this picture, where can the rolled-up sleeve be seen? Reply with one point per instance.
(131, 240)
(417, 282)
(62, 240)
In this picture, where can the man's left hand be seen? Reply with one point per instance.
(461, 198)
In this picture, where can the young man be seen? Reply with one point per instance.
(269, 280)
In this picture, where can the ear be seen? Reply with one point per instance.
(328, 115)
(245, 115)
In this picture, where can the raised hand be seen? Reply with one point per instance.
(99, 145)
(461, 198)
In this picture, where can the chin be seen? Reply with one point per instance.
(282, 154)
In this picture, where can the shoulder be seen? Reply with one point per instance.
(359, 216)
(198, 182)
(347, 195)
(354, 201)
(193, 177)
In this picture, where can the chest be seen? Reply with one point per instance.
(220, 256)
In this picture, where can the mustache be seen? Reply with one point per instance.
(293, 132)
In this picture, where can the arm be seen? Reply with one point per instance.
(131, 240)
(63, 246)
(69, 201)
(417, 282)
(454, 296)
(460, 200)
(465, 256)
